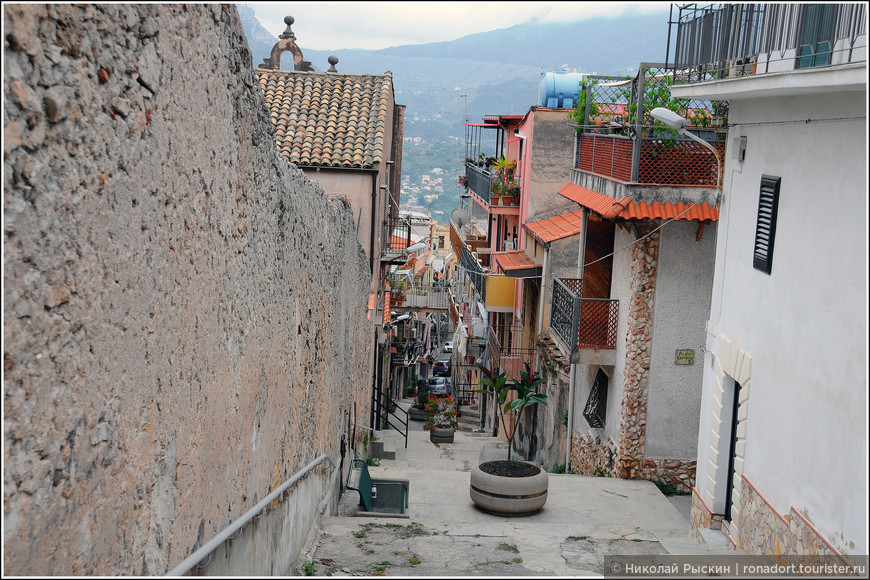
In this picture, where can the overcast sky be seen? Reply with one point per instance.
(374, 25)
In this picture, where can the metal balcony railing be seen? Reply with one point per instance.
(479, 181)
(717, 41)
(404, 296)
(486, 185)
(508, 356)
(397, 235)
(620, 140)
(582, 323)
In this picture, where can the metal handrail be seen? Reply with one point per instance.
(383, 412)
(226, 534)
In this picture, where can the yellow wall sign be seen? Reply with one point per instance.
(685, 356)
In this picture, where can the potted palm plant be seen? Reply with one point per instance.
(511, 486)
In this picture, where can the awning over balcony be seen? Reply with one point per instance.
(555, 227)
(499, 293)
(517, 264)
(625, 208)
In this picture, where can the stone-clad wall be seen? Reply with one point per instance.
(185, 315)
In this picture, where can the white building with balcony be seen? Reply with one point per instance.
(782, 445)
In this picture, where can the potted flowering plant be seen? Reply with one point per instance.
(440, 419)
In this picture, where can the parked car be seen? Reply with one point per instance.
(441, 368)
(439, 386)
(448, 347)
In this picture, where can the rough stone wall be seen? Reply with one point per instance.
(644, 260)
(185, 313)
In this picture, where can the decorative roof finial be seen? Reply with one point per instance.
(288, 20)
(332, 60)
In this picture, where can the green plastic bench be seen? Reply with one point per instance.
(392, 496)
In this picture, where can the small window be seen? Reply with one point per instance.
(765, 226)
(596, 405)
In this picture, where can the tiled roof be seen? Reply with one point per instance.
(625, 208)
(517, 264)
(555, 227)
(328, 119)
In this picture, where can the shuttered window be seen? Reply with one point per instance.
(765, 227)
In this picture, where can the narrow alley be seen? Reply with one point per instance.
(445, 534)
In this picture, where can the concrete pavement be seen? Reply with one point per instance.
(446, 535)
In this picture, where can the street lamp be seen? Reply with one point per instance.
(678, 124)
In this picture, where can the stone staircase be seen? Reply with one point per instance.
(469, 418)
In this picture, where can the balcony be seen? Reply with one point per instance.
(473, 266)
(583, 324)
(397, 238)
(620, 141)
(487, 186)
(718, 41)
(657, 162)
(509, 357)
(406, 296)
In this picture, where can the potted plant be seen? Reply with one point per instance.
(441, 420)
(510, 486)
(418, 411)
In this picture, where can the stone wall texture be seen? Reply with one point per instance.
(185, 314)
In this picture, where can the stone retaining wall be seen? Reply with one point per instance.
(185, 314)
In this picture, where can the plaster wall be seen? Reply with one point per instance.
(357, 188)
(682, 303)
(185, 313)
(804, 325)
(547, 161)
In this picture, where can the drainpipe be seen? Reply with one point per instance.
(541, 298)
(581, 258)
(374, 221)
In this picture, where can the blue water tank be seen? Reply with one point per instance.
(560, 89)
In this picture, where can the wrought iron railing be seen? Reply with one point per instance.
(508, 356)
(717, 41)
(397, 234)
(595, 411)
(564, 312)
(582, 323)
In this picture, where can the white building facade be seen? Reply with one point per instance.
(783, 470)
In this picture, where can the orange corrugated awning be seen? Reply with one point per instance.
(625, 208)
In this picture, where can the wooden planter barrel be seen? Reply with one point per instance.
(509, 496)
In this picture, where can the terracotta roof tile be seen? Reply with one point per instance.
(328, 119)
(517, 264)
(625, 208)
(556, 227)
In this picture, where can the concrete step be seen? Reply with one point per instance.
(382, 448)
